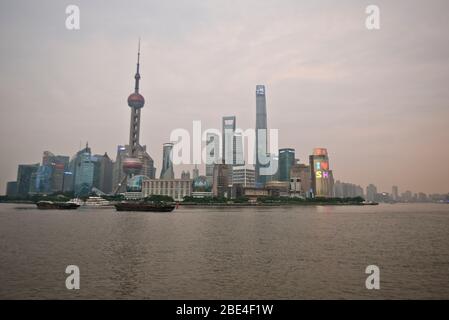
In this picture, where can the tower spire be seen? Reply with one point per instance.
(137, 76)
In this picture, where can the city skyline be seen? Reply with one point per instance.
(376, 136)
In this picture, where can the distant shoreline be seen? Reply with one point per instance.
(205, 205)
(237, 205)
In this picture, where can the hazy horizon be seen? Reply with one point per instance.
(377, 100)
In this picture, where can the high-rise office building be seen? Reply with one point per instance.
(41, 180)
(167, 163)
(196, 172)
(24, 178)
(301, 180)
(228, 139)
(243, 176)
(422, 197)
(11, 188)
(239, 159)
(49, 177)
(322, 177)
(261, 133)
(103, 167)
(286, 161)
(232, 145)
(395, 193)
(347, 190)
(83, 169)
(117, 170)
(221, 183)
(74, 165)
(371, 192)
(212, 154)
(58, 166)
(407, 196)
(185, 175)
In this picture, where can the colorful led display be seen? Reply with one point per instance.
(322, 168)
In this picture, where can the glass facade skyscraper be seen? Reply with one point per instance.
(286, 161)
(24, 178)
(102, 172)
(167, 164)
(212, 154)
(261, 133)
(82, 168)
(84, 175)
(228, 138)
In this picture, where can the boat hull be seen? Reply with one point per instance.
(147, 207)
(57, 206)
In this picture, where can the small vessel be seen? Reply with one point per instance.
(77, 201)
(97, 202)
(370, 203)
(45, 205)
(144, 206)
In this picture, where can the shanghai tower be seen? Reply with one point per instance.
(261, 132)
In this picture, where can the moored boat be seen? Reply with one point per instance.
(46, 205)
(97, 202)
(144, 206)
(370, 203)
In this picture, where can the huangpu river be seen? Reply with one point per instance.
(299, 252)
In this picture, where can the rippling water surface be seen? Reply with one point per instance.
(226, 253)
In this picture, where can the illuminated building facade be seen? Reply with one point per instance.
(321, 175)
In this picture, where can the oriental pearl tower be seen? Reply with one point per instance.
(132, 165)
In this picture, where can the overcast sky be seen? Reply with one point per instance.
(377, 100)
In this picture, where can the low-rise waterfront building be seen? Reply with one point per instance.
(175, 188)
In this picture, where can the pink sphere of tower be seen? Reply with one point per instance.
(132, 165)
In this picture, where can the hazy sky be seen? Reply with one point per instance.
(377, 100)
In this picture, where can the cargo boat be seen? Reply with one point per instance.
(57, 205)
(145, 206)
